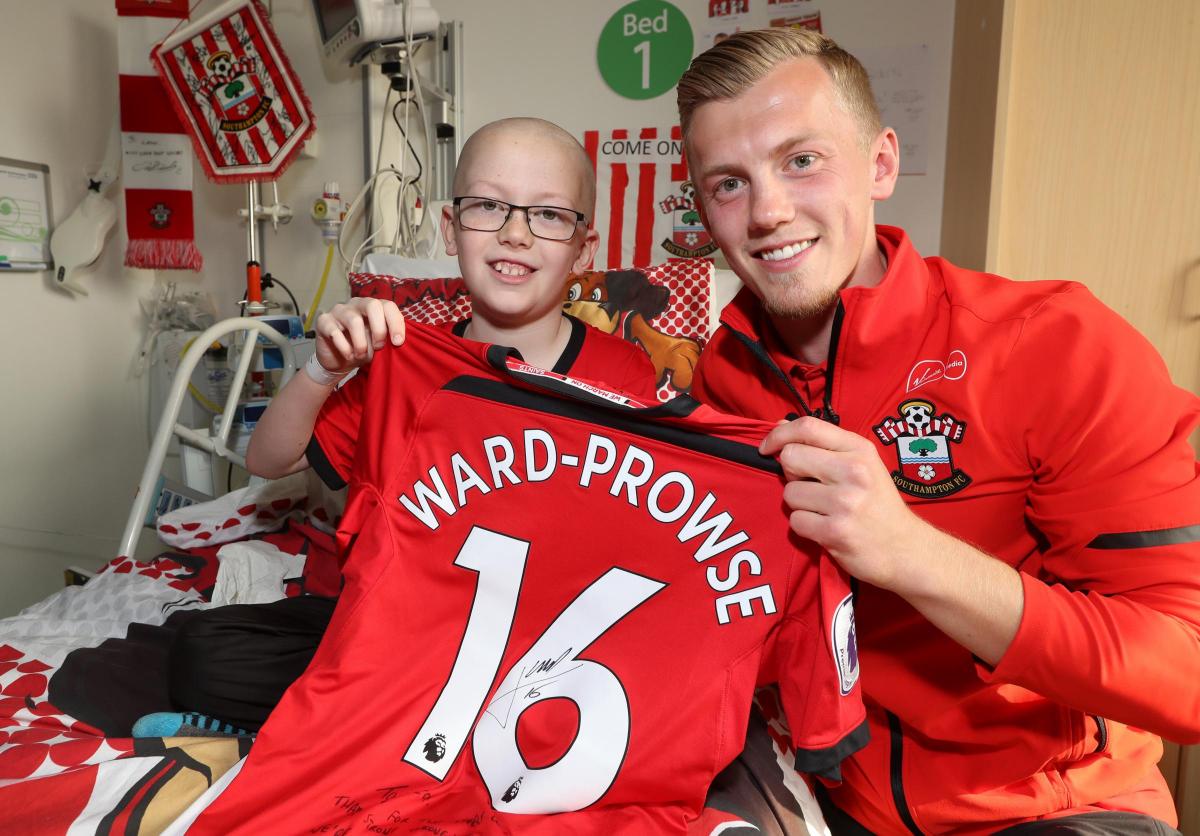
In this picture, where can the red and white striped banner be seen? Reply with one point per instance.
(156, 168)
(233, 88)
(645, 206)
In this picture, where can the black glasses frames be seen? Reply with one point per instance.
(486, 214)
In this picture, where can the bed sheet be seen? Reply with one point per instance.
(61, 775)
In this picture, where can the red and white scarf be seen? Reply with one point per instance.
(157, 158)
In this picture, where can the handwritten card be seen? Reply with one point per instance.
(156, 161)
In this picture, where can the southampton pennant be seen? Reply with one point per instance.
(645, 204)
(235, 93)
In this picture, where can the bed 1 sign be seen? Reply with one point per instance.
(644, 25)
(644, 49)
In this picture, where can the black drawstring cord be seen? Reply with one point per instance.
(835, 334)
(758, 351)
(826, 412)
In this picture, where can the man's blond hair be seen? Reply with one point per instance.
(740, 61)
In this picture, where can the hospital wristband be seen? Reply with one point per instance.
(319, 374)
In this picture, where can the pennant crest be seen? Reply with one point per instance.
(235, 93)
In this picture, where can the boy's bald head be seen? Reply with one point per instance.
(539, 137)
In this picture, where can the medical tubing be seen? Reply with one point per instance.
(354, 204)
(286, 289)
(358, 199)
(312, 312)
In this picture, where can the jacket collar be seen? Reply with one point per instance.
(883, 330)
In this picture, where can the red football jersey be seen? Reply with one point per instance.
(594, 355)
(558, 605)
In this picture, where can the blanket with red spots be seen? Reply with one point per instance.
(58, 774)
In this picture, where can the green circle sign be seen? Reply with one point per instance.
(644, 49)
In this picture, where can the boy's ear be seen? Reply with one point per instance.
(587, 252)
(448, 230)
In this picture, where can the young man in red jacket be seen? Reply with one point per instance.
(1004, 466)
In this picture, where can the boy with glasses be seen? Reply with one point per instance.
(526, 189)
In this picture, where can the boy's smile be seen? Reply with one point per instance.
(511, 269)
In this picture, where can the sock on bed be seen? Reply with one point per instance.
(183, 724)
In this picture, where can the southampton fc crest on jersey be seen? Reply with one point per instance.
(923, 440)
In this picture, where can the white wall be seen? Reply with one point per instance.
(75, 428)
(74, 431)
(533, 58)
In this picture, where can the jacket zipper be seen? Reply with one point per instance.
(827, 413)
(824, 412)
(897, 762)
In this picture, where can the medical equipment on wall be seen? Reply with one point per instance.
(78, 241)
(350, 29)
(177, 322)
(222, 439)
(253, 304)
(328, 213)
(414, 121)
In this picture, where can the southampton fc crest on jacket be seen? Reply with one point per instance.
(923, 441)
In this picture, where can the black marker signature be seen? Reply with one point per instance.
(546, 665)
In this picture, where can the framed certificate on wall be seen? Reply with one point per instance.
(24, 215)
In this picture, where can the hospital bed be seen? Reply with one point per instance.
(66, 763)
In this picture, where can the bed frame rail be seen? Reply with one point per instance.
(206, 439)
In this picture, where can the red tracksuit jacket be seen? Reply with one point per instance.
(1030, 420)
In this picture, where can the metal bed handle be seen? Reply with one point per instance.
(169, 425)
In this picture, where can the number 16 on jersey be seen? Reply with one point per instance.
(550, 668)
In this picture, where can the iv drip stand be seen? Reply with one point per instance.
(254, 301)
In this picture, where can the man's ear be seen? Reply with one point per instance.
(448, 230)
(885, 164)
(587, 252)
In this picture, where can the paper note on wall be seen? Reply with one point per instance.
(645, 206)
(901, 77)
(725, 17)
